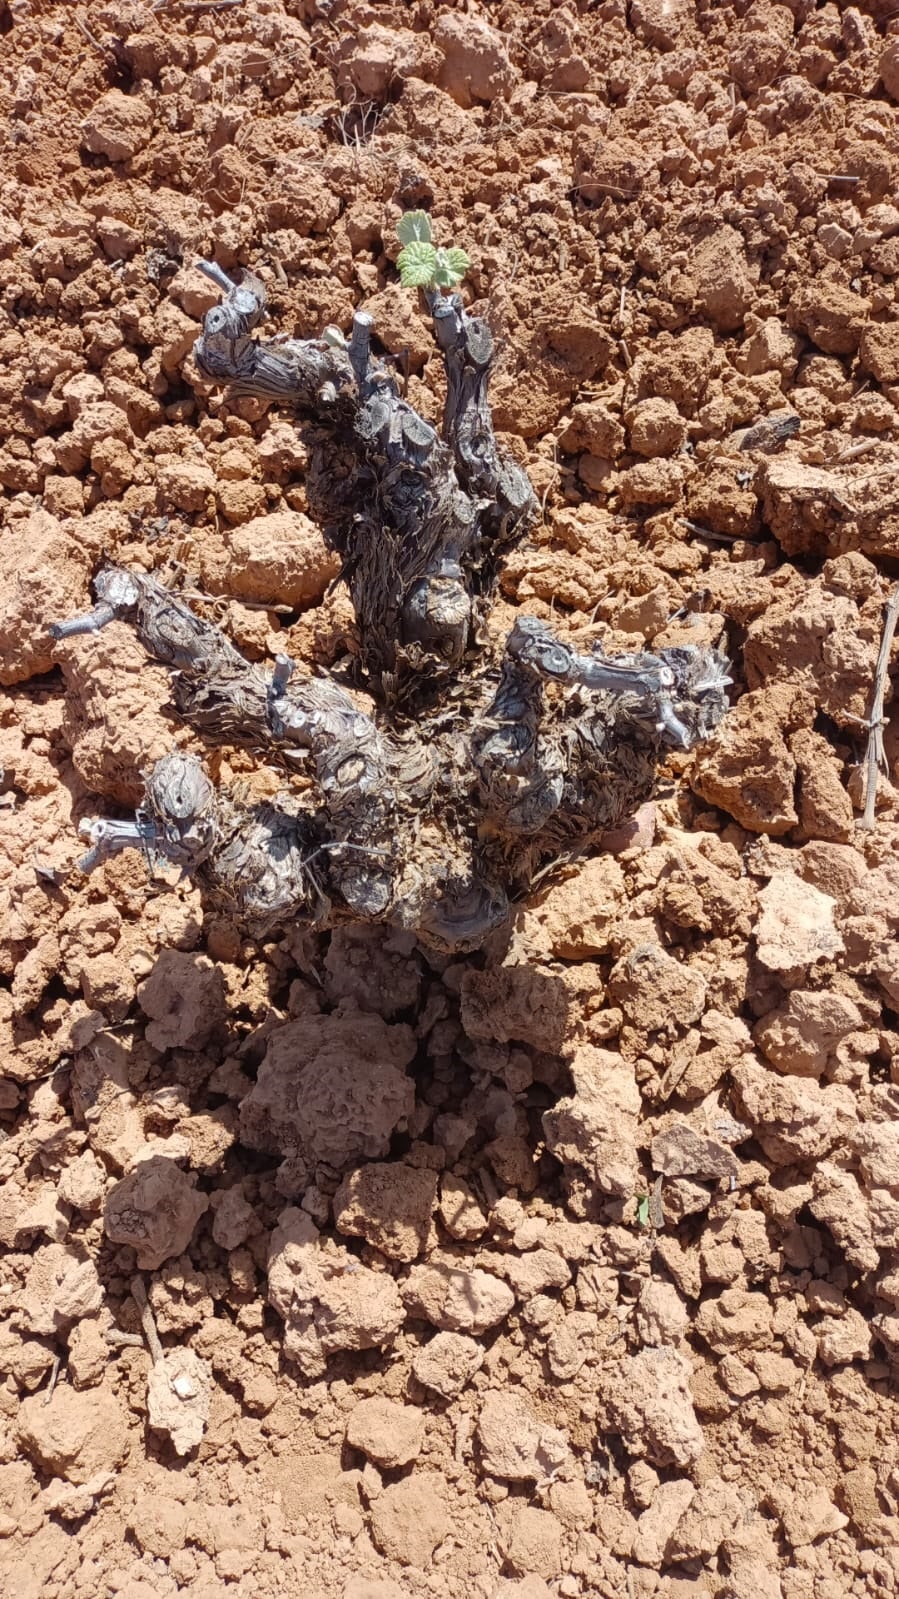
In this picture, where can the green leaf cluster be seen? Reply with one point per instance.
(422, 264)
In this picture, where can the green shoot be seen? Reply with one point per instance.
(422, 264)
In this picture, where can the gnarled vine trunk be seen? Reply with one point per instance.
(476, 769)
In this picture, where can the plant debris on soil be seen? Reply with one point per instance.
(334, 1266)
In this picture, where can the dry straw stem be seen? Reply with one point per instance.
(875, 759)
(139, 1295)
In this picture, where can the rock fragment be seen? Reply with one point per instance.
(41, 568)
(26, 1360)
(389, 1434)
(793, 1118)
(154, 1209)
(117, 126)
(179, 1396)
(831, 315)
(647, 1400)
(655, 427)
(82, 1182)
(534, 1545)
(843, 1338)
(719, 276)
(62, 1287)
(456, 1300)
(328, 1302)
(332, 1088)
(658, 1522)
(279, 558)
(796, 926)
(409, 1520)
(233, 1219)
(88, 1351)
(75, 1435)
(159, 1523)
(525, 1003)
(577, 915)
(877, 1147)
(377, 968)
(749, 771)
(476, 65)
(459, 1210)
(371, 59)
(516, 1446)
(715, 1510)
(884, 968)
(660, 22)
(571, 1502)
(388, 1205)
(838, 1202)
(656, 992)
(185, 485)
(570, 1343)
(534, 1271)
(72, 1503)
(806, 1514)
(736, 1320)
(184, 997)
(661, 1315)
(596, 1128)
(801, 1035)
(681, 1151)
(447, 1363)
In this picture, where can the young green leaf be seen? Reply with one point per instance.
(643, 1211)
(417, 264)
(458, 261)
(450, 267)
(414, 227)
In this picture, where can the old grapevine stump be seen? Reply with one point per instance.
(479, 766)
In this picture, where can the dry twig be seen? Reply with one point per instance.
(875, 758)
(852, 452)
(117, 1339)
(139, 1295)
(197, 5)
(706, 532)
(54, 1374)
(90, 37)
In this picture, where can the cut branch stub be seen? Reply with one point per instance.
(661, 688)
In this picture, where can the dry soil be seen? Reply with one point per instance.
(330, 1270)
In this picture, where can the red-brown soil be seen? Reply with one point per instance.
(571, 1268)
